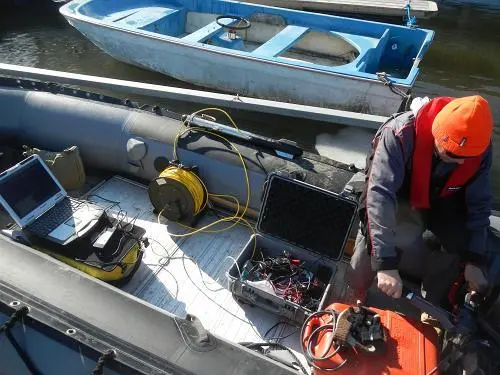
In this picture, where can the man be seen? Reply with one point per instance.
(428, 170)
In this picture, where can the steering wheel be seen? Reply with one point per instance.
(243, 23)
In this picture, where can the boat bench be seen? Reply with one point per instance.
(205, 32)
(281, 41)
(154, 19)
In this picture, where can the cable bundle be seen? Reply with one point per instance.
(288, 277)
(179, 192)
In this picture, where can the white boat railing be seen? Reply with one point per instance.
(197, 96)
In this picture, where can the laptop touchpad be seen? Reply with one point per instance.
(73, 221)
(63, 232)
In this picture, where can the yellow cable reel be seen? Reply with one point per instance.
(178, 194)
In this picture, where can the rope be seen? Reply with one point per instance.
(384, 78)
(411, 21)
(110, 354)
(14, 318)
(6, 327)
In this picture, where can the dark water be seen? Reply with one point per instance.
(463, 60)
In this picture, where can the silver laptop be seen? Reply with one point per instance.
(38, 203)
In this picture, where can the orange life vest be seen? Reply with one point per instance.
(422, 159)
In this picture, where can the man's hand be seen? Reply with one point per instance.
(475, 277)
(390, 283)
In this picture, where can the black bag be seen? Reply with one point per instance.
(9, 156)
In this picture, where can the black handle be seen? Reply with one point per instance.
(436, 312)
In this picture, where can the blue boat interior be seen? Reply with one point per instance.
(317, 41)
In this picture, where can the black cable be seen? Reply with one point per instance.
(307, 346)
(258, 345)
(115, 203)
(325, 355)
(270, 329)
(330, 326)
(277, 338)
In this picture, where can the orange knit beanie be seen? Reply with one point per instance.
(463, 127)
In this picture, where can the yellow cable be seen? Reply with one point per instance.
(192, 183)
(217, 230)
(186, 121)
(237, 216)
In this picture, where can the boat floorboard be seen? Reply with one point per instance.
(187, 275)
(170, 280)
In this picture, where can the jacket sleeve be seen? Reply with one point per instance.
(478, 200)
(385, 178)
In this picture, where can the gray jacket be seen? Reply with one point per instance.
(388, 181)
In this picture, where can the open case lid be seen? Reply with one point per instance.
(306, 216)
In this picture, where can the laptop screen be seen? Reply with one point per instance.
(28, 188)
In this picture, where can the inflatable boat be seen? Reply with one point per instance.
(177, 314)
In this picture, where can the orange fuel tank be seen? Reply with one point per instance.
(412, 348)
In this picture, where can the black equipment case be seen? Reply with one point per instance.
(308, 223)
(115, 263)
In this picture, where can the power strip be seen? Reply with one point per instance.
(103, 239)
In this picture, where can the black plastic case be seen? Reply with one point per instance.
(310, 223)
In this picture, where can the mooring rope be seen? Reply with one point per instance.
(108, 355)
(384, 78)
(7, 326)
(14, 318)
(411, 21)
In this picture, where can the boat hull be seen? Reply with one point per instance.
(105, 133)
(243, 76)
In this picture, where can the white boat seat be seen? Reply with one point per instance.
(206, 32)
(143, 17)
(281, 41)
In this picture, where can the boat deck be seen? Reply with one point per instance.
(391, 8)
(187, 275)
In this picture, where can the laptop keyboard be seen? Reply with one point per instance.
(54, 217)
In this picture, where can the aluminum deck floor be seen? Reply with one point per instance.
(168, 279)
(187, 275)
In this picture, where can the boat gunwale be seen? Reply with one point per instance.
(99, 331)
(407, 83)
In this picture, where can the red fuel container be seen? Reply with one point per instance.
(412, 348)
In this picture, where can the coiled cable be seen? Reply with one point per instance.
(309, 341)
